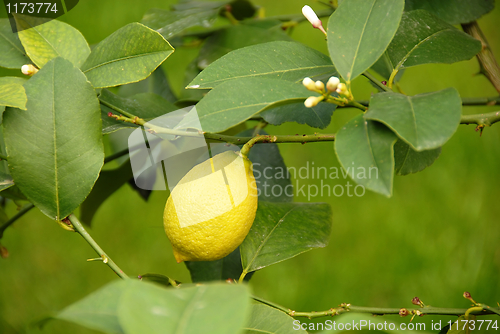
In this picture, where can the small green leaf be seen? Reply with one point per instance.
(128, 55)
(55, 147)
(266, 319)
(284, 230)
(289, 61)
(359, 31)
(170, 23)
(12, 93)
(365, 151)
(269, 170)
(156, 83)
(423, 38)
(98, 310)
(424, 121)
(408, 161)
(319, 116)
(233, 102)
(209, 308)
(158, 279)
(453, 11)
(12, 54)
(45, 41)
(108, 182)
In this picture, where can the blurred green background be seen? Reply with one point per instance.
(437, 237)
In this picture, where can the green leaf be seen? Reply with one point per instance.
(219, 270)
(284, 230)
(365, 151)
(209, 308)
(453, 11)
(12, 93)
(266, 319)
(170, 23)
(5, 177)
(108, 182)
(158, 279)
(236, 37)
(156, 83)
(98, 310)
(12, 54)
(319, 116)
(424, 121)
(408, 161)
(51, 39)
(422, 39)
(359, 31)
(233, 102)
(289, 61)
(270, 171)
(55, 147)
(128, 55)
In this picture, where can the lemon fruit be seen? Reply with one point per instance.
(211, 209)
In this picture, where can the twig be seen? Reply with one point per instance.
(105, 258)
(487, 119)
(15, 218)
(487, 62)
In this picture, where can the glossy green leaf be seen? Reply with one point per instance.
(365, 151)
(158, 279)
(219, 270)
(99, 310)
(12, 54)
(289, 61)
(128, 55)
(233, 38)
(453, 11)
(235, 101)
(55, 147)
(108, 182)
(423, 38)
(266, 319)
(270, 172)
(12, 93)
(359, 31)
(156, 83)
(319, 116)
(408, 161)
(209, 308)
(424, 121)
(45, 41)
(284, 230)
(170, 23)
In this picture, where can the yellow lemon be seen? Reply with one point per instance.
(212, 208)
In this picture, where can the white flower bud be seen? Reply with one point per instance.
(29, 69)
(309, 84)
(319, 85)
(332, 84)
(311, 101)
(311, 16)
(341, 88)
